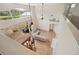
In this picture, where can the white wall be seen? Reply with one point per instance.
(9, 6)
(34, 18)
(55, 9)
(64, 42)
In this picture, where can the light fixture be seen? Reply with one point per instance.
(42, 16)
(30, 12)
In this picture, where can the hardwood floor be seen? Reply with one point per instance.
(44, 48)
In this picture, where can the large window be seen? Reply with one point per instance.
(14, 13)
(5, 15)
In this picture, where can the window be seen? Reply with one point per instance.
(25, 13)
(4, 15)
(14, 13)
